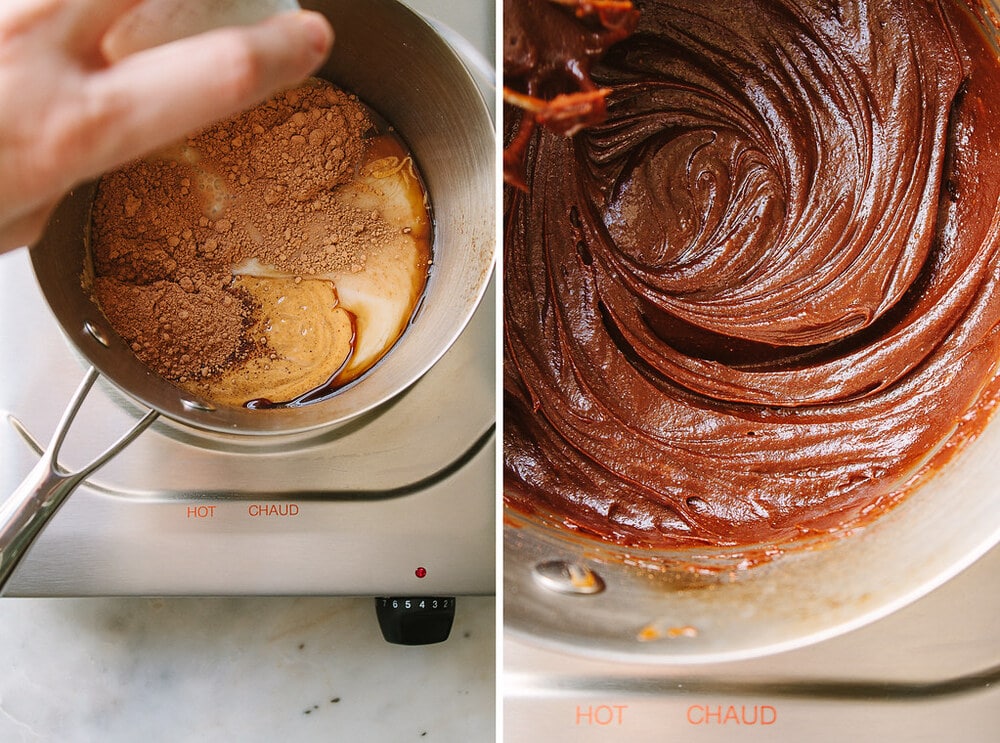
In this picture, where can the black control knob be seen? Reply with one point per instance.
(415, 620)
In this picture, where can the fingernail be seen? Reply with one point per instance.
(317, 31)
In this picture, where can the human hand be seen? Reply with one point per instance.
(67, 114)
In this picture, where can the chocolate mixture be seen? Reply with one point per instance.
(760, 300)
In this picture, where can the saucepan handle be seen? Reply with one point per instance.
(24, 514)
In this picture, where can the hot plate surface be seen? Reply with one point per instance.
(356, 510)
(929, 672)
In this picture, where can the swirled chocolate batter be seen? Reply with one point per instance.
(270, 259)
(760, 301)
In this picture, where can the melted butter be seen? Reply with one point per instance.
(384, 294)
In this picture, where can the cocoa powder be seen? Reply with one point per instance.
(181, 335)
(168, 231)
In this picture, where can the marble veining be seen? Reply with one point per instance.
(238, 669)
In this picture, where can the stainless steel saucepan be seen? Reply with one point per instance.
(572, 594)
(403, 68)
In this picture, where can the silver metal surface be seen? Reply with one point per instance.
(25, 512)
(928, 673)
(409, 486)
(569, 578)
(354, 510)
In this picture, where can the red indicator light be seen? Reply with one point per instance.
(420, 572)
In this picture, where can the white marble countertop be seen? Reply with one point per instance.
(245, 669)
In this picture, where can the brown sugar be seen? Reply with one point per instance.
(169, 230)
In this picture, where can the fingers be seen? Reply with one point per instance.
(26, 229)
(154, 97)
(79, 24)
(91, 19)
